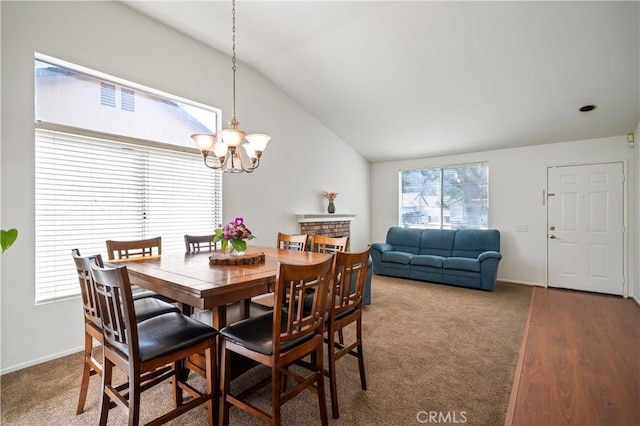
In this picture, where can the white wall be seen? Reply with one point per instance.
(634, 256)
(517, 178)
(302, 160)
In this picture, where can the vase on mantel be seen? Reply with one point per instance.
(331, 208)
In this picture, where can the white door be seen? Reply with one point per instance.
(585, 235)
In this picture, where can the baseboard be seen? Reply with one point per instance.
(41, 360)
(635, 300)
(521, 282)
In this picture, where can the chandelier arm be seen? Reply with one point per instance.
(245, 168)
(205, 155)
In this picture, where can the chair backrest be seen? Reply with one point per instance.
(196, 243)
(119, 327)
(349, 277)
(324, 244)
(87, 289)
(292, 242)
(135, 248)
(294, 282)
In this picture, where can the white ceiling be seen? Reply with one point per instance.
(399, 80)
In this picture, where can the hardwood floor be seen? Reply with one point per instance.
(580, 362)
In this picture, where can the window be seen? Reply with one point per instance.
(114, 173)
(450, 197)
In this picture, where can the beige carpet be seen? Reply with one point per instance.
(430, 350)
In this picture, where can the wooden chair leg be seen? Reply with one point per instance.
(103, 414)
(322, 402)
(212, 384)
(134, 398)
(175, 386)
(276, 388)
(86, 372)
(333, 387)
(225, 384)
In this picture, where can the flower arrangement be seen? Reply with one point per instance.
(330, 195)
(331, 208)
(235, 233)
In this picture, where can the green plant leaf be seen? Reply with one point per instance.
(239, 245)
(7, 238)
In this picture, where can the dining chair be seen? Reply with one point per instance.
(345, 308)
(196, 243)
(325, 244)
(292, 242)
(149, 352)
(278, 339)
(128, 249)
(145, 308)
(134, 248)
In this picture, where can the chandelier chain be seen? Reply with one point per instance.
(233, 59)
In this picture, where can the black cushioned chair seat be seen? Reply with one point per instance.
(308, 303)
(148, 307)
(140, 293)
(169, 333)
(256, 334)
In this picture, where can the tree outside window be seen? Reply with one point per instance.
(449, 197)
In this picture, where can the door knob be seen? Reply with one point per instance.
(553, 228)
(553, 237)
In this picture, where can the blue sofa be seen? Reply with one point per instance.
(465, 257)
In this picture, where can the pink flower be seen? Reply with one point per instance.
(330, 195)
(238, 221)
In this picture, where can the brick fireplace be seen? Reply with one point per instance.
(331, 225)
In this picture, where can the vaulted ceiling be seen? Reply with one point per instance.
(399, 80)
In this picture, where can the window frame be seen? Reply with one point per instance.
(443, 223)
(66, 290)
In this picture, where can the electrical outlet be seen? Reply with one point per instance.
(522, 228)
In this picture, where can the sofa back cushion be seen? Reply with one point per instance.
(472, 242)
(404, 239)
(437, 242)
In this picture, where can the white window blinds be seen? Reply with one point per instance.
(450, 197)
(89, 190)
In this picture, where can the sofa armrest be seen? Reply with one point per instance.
(489, 255)
(381, 247)
(489, 261)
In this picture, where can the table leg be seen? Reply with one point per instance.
(245, 307)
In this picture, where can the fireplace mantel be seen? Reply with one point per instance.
(324, 217)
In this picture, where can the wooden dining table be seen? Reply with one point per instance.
(192, 281)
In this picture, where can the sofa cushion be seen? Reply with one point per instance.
(472, 242)
(438, 242)
(462, 263)
(427, 260)
(396, 257)
(404, 239)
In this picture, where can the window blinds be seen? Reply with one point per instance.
(89, 190)
(450, 197)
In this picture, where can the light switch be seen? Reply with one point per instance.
(522, 228)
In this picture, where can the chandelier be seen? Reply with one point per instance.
(222, 151)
